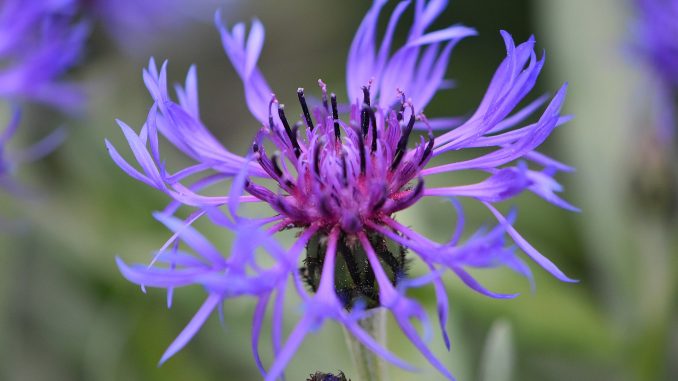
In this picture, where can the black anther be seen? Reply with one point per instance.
(316, 159)
(304, 108)
(344, 168)
(429, 148)
(276, 166)
(288, 130)
(366, 95)
(373, 120)
(401, 111)
(402, 143)
(335, 115)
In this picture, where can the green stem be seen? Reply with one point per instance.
(368, 366)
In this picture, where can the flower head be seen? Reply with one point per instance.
(337, 176)
(39, 42)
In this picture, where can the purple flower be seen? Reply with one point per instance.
(656, 40)
(38, 43)
(338, 176)
(656, 30)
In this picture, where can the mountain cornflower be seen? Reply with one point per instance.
(39, 42)
(337, 176)
(656, 41)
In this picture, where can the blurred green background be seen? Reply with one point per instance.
(67, 314)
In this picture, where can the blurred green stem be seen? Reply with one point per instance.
(368, 366)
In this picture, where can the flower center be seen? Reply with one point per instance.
(341, 173)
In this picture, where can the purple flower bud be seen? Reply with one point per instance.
(319, 376)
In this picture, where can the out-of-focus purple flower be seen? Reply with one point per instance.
(39, 42)
(656, 39)
(657, 29)
(133, 23)
(340, 173)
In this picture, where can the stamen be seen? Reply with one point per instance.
(429, 148)
(288, 130)
(366, 95)
(283, 207)
(295, 133)
(316, 159)
(379, 204)
(335, 116)
(402, 143)
(336, 200)
(289, 184)
(373, 120)
(364, 119)
(344, 169)
(270, 113)
(368, 115)
(400, 113)
(267, 164)
(361, 150)
(398, 157)
(323, 88)
(304, 108)
(276, 165)
(410, 125)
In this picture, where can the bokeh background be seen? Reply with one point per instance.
(67, 314)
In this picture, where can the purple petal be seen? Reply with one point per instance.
(257, 321)
(473, 284)
(529, 249)
(456, 32)
(504, 184)
(255, 42)
(192, 328)
(126, 167)
(414, 338)
(192, 238)
(291, 345)
(375, 347)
